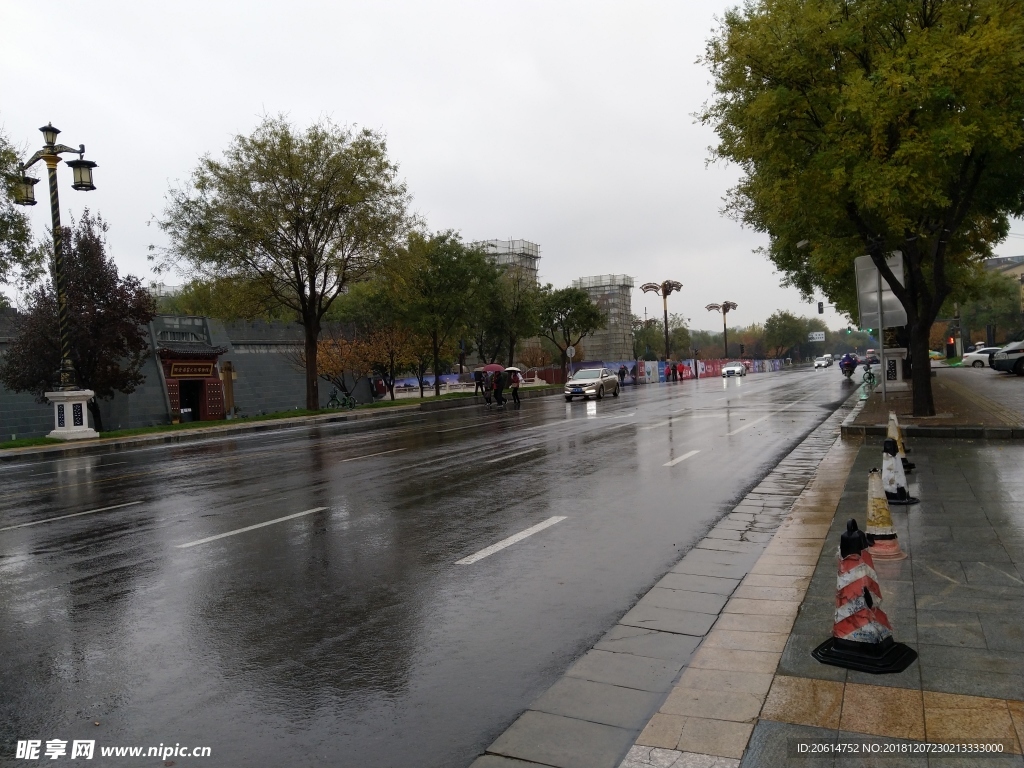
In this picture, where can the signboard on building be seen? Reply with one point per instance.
(868, 281)
(199, 370)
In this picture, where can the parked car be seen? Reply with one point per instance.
(734, 369)
(933, 355)
(591, 382)
(1011, 357)
(821, 362)
(979, 358)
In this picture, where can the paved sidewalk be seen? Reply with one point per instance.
(958, 600)
(592, 715)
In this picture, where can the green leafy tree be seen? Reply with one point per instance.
(784, 331)
(225, 298)
(443, 283)
(21, 262)
(301, 213)
(678, 336)
(870, 127)
(108, 317)
(566, 316)
(992, 298)
(647, 338)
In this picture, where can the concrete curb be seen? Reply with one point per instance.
(229, 429)
(971, 432)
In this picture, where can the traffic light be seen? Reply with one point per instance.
(951, 340)
(821, 307)
(742, 348)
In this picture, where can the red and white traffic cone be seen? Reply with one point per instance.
(861, 633)
(893, 480)
(884, 543)
(893, 431)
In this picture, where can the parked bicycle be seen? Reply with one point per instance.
(869, 377)
(345, 400)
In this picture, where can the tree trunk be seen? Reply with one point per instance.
(565, 364)
(920, 370)
(436, 349)
(94, 410)
(511, 350)
(312, 334)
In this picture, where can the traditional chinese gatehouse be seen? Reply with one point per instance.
(194, 387)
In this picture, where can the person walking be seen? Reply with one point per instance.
(517, 379)
(478, 382)
(499, 387)
(485, 383)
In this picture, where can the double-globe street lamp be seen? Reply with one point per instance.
(663, 290)
(724, 308)
(67, 395)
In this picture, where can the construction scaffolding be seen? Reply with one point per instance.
(613, 295)
(512, 253)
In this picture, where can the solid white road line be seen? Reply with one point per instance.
(74, 469)
(512, 455)
(65, 517)
(510, 541)
(249, 528)
(657, 424)
(766, 416)
(678, 459)
(371, 455)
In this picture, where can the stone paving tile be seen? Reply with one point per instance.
(640, 672)
(667, 620)
(883, 711)
(714, 737)
(769, 607)
(598, 702)
(663, 731)
(646, 642)
(881, 759)
(769, 746)
(1003, 633)
(721, 680)
(737, 706)
(497, 761)
(683, 600)
(804, 701)
(742, 622)
(698, 583)
(696, 567)
(971, 682)
(768, 580)
(563, 742)
(948, 628)
(652, 757)
(768, 593)
(708, 657)
(773, 642)
(968, 718)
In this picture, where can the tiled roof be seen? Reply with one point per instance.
(189, 349)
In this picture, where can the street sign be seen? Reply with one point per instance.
(816, 336)
(570, 352)
(893, 313)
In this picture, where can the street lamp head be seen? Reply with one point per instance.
(651, 287)
(83, 174)
(49, 134)
(24, 194)
(671, 285)
(728, 305)
(713, 307)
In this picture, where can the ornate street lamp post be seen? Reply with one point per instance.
(66, 397)
(724, 308)
(663, 290)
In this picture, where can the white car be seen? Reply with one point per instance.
(822, 362)
(592, 382)
(979, 357)
(734, 369)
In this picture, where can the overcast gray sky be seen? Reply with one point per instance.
(568, 124)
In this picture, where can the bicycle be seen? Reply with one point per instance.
(345, 401)
(869, 377)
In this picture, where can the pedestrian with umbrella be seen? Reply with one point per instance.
(515, 379)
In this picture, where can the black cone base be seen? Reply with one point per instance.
(901, 498)
(885, 658)
(908, 466)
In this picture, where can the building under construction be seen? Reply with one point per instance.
(512, 253)
(613, 294)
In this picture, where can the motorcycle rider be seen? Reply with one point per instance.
(848, 364)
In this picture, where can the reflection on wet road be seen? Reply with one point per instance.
(359, 595)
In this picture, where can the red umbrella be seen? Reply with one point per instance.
(494, 367)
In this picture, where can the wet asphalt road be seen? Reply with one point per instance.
(350, 636)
